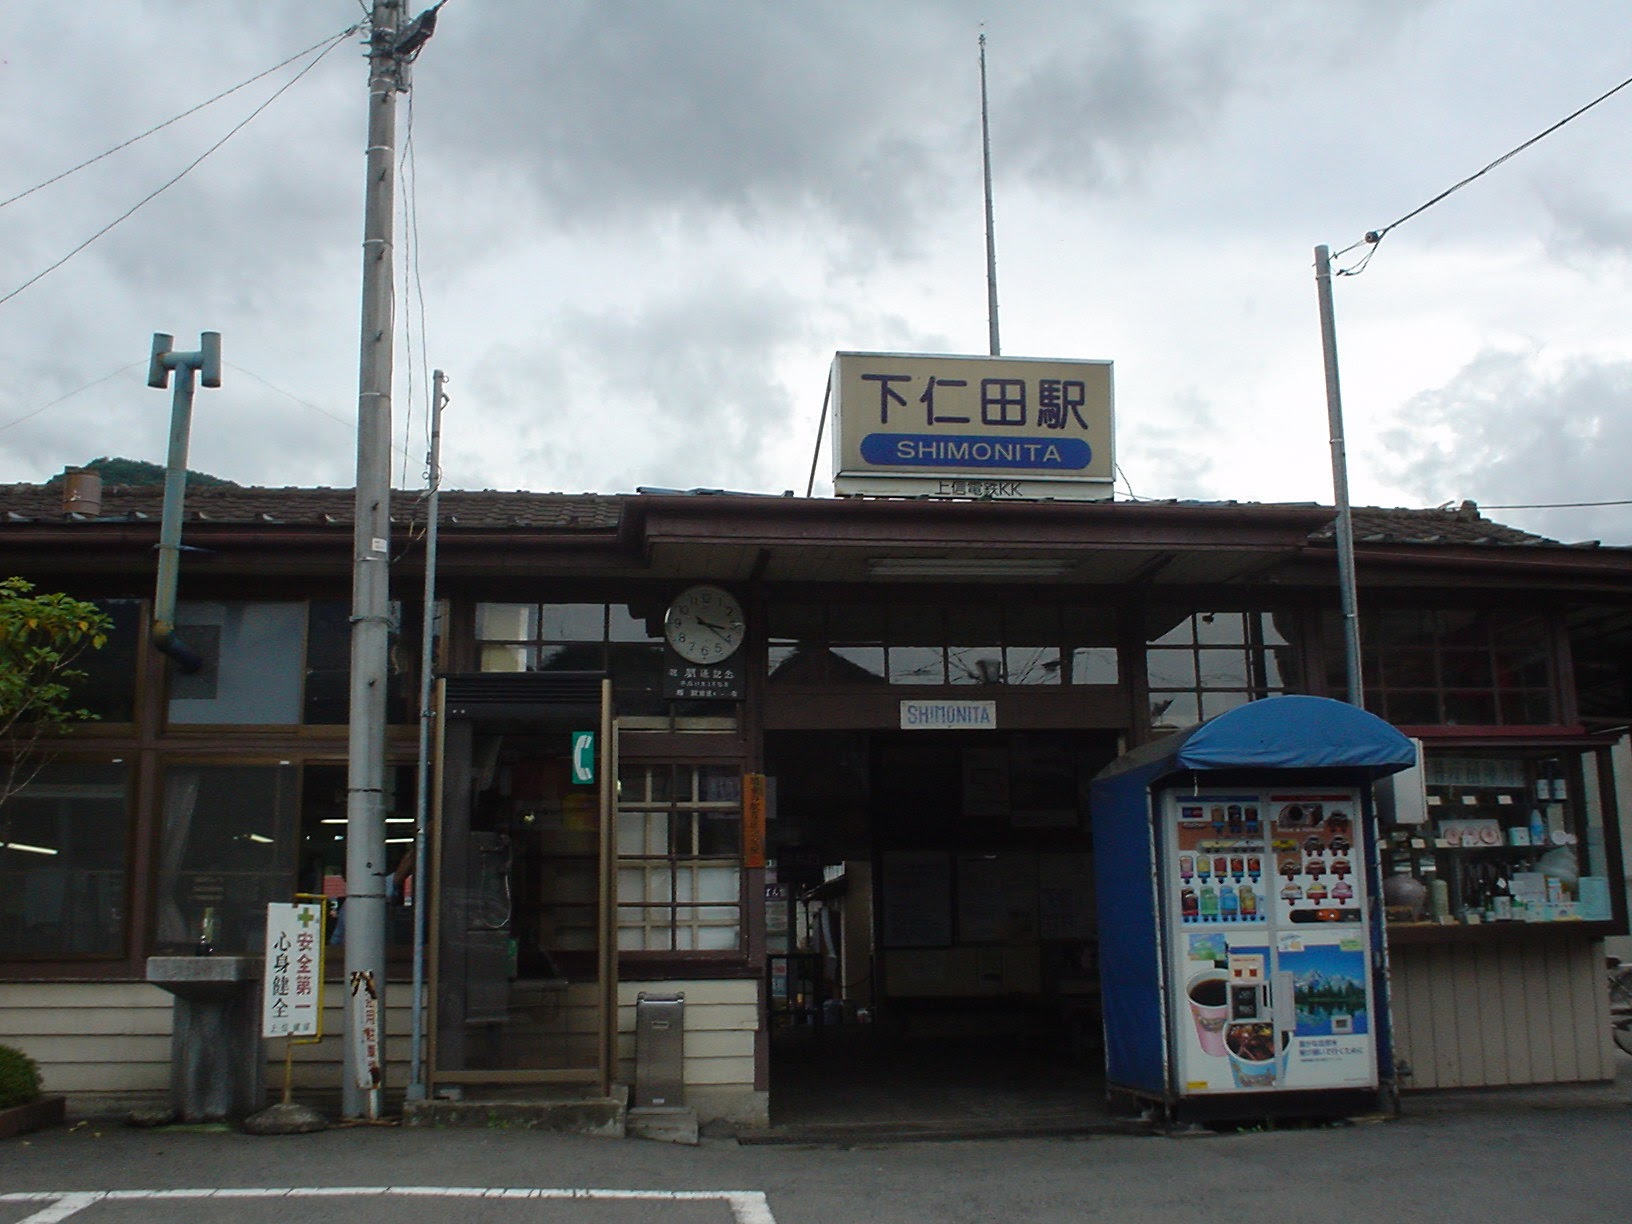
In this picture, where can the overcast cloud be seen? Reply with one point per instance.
(636, 233)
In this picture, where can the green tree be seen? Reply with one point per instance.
(41, 636)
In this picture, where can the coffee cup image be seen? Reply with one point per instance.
(1209, 1007)
(1253, 1056)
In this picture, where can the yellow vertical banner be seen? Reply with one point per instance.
(753, 820)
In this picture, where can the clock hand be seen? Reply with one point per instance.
(720, 629)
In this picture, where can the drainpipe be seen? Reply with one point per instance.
(207, 362)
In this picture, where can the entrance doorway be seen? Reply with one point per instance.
(931, 935)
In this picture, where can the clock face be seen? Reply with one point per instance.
(704, 625)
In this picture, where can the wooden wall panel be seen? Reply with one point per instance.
(1531, 1011)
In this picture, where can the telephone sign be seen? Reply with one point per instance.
(583, 758)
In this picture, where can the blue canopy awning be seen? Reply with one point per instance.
(1276, 733)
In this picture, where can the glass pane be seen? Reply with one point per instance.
(1216, 703)
(572, 622)
(1171, 668)
(632, 784)
(574, 656)
(1411, 629)
(1033, 664)
(856, 665)
(719, 834)
(328, 662)
(227, 848)
(626, 623)
(1222, 668)
(787, 663)
(506, 658)
(253, 663)
(1467, 669)
(1174, 709)
(719, 784)
(1528, 706)
(109, 687)
(1181, 634)
(1092, 665)
(974, 665)
(634, 667)
(711, 883)
(717, 938)
(916, 665)
(1412, 709)
(1406, 669)
(1220, 629)
(62, 863)
(1265, 627)
(1469, 708)
(506, 622)
(644, 883)
(642, 833)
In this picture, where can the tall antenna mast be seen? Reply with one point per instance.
(991, 235)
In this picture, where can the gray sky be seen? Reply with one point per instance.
(634, 234)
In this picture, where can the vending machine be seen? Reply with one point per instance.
(1243, 968)
(1265, 899)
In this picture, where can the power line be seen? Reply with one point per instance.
(1374, 237)
(97, 382)
(1555, 505)
(192, 110)
(188, 169)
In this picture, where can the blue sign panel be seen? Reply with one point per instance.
(976, 451)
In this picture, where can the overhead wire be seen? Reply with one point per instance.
(1374, 237)
(65, 397)
(192, 165)
(192, 110)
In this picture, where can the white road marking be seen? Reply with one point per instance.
(747, 1206)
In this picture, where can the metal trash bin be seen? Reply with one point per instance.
(660, 1050)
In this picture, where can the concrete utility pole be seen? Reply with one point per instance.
(991, 230)
(1344, 529)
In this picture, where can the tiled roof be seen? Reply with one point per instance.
(1458, 525)
(319, 507)
(492, 509)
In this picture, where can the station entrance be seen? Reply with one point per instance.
(930, 934)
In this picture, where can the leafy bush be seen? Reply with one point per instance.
(19, 1078)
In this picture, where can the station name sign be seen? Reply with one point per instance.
(980, 427)
(948, 715)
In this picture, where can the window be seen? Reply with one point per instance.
(109, 687)
(1210, 662)
(1467, 668)
(623, 640)
(679, 834)
(936, 645)
(226, 849)
(63, 885)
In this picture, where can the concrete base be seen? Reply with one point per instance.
(285, 1119)
(216, 1058)
(665, 1123)
(595, 1117)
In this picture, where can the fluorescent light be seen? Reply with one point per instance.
(260, 838)
(399, 841)
(24, 846)
(399, 820)
(333, 820)
(970, 567)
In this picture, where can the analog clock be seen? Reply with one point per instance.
(704, 624)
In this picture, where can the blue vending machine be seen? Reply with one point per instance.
(1242, 960)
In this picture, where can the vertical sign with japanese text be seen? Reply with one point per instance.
(979, 427)
(753, 820)
(292, 1002)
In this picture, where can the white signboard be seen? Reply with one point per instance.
(949, 716)
(292, 1003)
(978, 427)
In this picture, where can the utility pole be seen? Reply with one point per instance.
(1344, 528)
(991, 232)
(366, 866)
(392, 47)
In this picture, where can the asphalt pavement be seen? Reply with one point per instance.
(1536, 1156)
